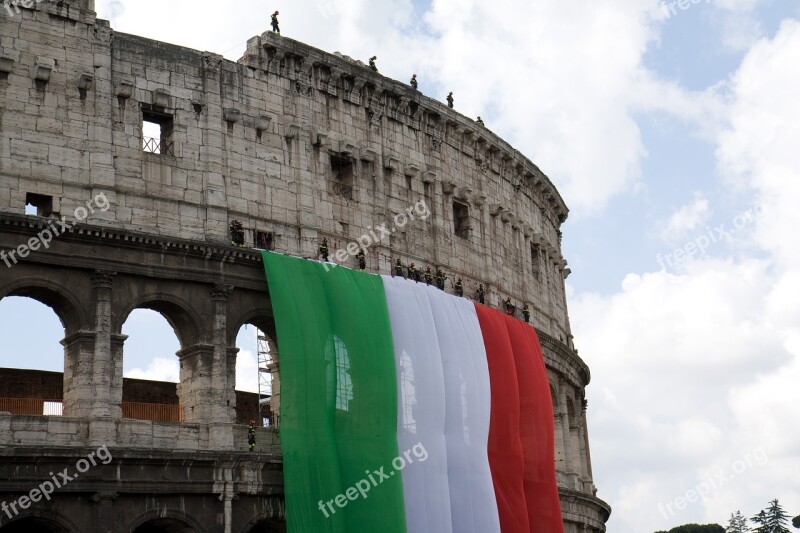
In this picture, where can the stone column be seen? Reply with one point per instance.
(561, 458)
(101, 427)
(78, 363)
(102, 370)
(105, 511)
(571, 468)
(194, 389)
(117, 351)
(223, 381)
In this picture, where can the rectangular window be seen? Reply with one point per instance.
(461, 225)
(38, 204)
(264, 241)
(342, 173)
(157, 129)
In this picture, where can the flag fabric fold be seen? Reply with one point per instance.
(404, 408)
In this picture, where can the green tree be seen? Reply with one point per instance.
(737, 524)
(796, 522)
(696, 528)
(772, 519)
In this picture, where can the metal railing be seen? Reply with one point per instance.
(156, 412)
(138, 411)
(157, 146)
(31, 406)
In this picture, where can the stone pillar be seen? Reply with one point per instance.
(117, 351)
(570, 466)
(561, 458)
(105, 511)
(194, 389)
(102, 371)
(78, 361)
(101, 427)
(223, 382)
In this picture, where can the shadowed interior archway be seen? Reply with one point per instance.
(34, 525)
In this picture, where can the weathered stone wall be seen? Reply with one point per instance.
(297, 144)
(254, 141)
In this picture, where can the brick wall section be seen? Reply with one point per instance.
(17, 383)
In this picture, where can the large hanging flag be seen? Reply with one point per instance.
(405, 409)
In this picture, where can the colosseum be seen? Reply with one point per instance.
(298, 145)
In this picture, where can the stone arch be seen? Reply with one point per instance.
(40, 522)
(261, 318)
(70, 309)
(165, 521)
(185, 321)
(265, 523)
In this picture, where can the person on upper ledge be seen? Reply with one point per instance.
(460, 287)
(413, 273)
(251, 435)
(398, 269)
(526, 313)
(372, 63)
(275, 26)
(362, 260)
(510, 307)
(450, 100)
(323, 250)
(428, 276)
(480, 121)
(440, 279)
(414, 83)
(481, 294)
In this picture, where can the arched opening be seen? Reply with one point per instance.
(267, 526)
(150, 368)
(33, 525)
(31, 358)
(256, 372)
(164, 525)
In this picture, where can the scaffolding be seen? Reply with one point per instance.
(264, 377)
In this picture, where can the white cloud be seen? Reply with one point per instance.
(713, 354)
(159, 369)
(246, 371)
(686, 219)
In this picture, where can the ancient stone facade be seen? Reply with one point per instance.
(300, 146)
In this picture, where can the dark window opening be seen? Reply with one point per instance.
(342, 169)
(157, 129)
(342, 172)
(264, 241)
(38, 204)
(461, 219)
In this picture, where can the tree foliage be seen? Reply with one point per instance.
(737, 524)
(696, 528)
(773, 519)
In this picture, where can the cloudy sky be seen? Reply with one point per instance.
(672, 130)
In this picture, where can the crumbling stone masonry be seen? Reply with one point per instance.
(296, 144)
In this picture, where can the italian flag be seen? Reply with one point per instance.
(406, 409)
